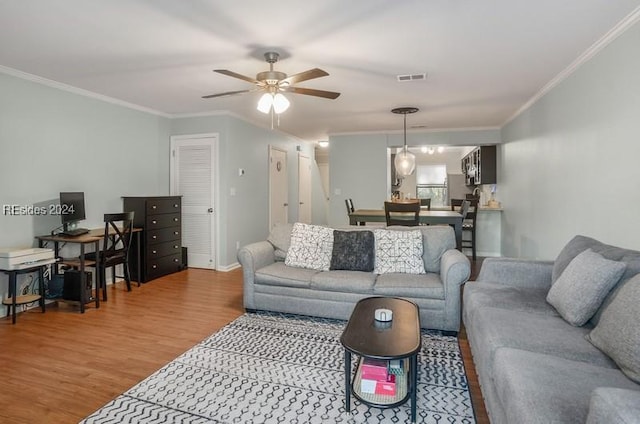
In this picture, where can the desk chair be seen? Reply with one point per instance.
(392, 212)
(468, 223)
(118, 228)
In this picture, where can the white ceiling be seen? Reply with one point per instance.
(484, 59)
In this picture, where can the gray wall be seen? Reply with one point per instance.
(244, 218)
(52, 141)
(569, 164)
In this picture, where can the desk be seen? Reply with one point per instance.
(95, 236)
(426, 217)
(83, 240)
(14, 300)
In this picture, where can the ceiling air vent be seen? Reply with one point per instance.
(411, 77)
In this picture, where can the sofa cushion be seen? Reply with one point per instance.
(344, 281)
(538, 388)
(436, 239)
(618, 332)
(416, 285)
(353, 250)
(583, 285)
(609, 405)
(278, 274)
(398, 251)
(579, 244)
(311, 247)
(478, 295)
(280, 238)
(495, 328)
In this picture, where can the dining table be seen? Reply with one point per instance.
(430, 217)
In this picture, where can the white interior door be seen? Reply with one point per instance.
(278, 187)
(304, 189)
(193, 177)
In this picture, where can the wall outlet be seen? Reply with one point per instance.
(237, 245)
(240, 172)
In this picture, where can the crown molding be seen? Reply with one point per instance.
(79, 91)
(621, 27)
(415, 131)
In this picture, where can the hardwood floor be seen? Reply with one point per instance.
(60, 366)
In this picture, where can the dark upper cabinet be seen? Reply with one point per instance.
(479, 166)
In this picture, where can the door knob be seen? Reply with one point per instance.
(210, 210)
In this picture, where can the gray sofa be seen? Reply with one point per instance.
(535, 367)
(271, 285)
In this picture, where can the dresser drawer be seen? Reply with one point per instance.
(163, 220)
(163, 249)
(157, 267)
(162, 235)
(156, 206)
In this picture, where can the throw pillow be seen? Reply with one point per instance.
(398, 251)
(353, 250)
(311, 247)
(583, 285)
(618, 333)
(280, 238)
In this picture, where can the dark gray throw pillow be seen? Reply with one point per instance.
(353, 251)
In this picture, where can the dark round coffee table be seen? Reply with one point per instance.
(399, 339)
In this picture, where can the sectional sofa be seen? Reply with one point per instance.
(279, 277)
(558, 342)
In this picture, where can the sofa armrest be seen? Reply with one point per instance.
(252, 257)
(455, 270)
(612, 405)
(516, 272)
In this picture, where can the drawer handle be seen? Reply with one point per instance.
(153, 207)
(154, 237)
(176, 246)
(176, 205)
(175, 219)
(176, 233)
(154, 252)
(154, 266)
(175, 260)
(154, 222)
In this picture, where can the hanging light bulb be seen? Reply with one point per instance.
(265, 102)
(280, 103)
(405, 161)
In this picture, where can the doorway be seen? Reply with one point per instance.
(193, 176)
(304, 189)
(278, 187)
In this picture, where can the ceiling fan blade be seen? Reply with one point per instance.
(236, 75)
(228, 93)
(304, 76)
(312, 92)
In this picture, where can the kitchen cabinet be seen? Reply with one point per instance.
(479, 166)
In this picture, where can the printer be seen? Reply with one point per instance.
(23, 258)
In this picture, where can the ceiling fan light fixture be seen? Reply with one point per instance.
(280, 103)
(265, 102)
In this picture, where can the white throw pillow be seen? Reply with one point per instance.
(311, 247)
(398, 251)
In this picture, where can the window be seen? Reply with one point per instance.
(431, 182)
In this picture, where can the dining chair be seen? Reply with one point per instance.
(468, 222)
(402, 213)
(350, 208)
(118, 229)
(426, 203)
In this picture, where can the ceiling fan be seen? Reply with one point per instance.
(274, 83)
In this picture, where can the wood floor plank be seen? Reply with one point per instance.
(60, 366)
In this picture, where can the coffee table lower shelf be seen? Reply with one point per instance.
(382, 401)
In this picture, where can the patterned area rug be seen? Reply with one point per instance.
(279, 368)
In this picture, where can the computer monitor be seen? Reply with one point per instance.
(71, 208)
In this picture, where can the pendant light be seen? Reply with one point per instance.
(405, 161)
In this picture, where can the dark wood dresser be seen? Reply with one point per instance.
(160, 217)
